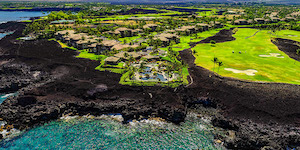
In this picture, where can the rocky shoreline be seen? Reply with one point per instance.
(259, 115)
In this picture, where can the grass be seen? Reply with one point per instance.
(92, 56)
(185, 40)
(129, 39)
(114, 70)
(284, 70)
(63, 45)
(17, 8)
(288, 34)
(28, 21)
(83, 53)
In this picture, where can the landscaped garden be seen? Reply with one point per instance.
(252, 56)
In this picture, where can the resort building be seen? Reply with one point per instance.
(260, 20)
(122, 32)
(106, 45)
(187, 29)
(274, 19)
(61, 34)
(167, 38)
(202, 26)
(150, 58)
(289, 19)
(241, 22)
(151, 27)
(112, 60)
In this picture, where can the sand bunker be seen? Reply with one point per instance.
(292, 35)
(249, 72)
(272, 55)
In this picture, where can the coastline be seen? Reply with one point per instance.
(55, 98)
(196, 132)
(42, 9)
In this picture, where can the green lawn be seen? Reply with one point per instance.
(271, 69)
(185, 40)
(92, 56)
(129, 39)
(288, 34)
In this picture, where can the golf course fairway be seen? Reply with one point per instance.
(245, 53)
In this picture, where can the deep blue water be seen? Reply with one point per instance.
(18, 15)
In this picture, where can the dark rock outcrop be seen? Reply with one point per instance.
(16, 76)
(289, 47)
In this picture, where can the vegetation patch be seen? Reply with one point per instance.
(288, 34)
(244, 53)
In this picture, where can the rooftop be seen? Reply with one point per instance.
(112, 59)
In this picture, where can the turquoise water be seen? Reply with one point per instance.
(2, 35)
(110, 134)
(18, 15)
(5, 96)
(2, 99)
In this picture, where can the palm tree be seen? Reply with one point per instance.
(215, 60)
(169, 69)
(212, 42)
(220, 63)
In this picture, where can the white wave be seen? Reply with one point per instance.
(3, 22)
(8, 95)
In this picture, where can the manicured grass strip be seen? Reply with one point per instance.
(185, 40)
(288, 34)
(271, 69)
(129, 39)
(63, 45)
(92, 56)
(114, 70)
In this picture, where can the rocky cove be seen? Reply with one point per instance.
(52, 82)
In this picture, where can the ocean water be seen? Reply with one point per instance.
(5, 96)
(106, 133)
(6, 16)
(2, 35)
(18, 15)
(2, 99)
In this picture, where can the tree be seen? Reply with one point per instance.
(142, 67)
(212, 42)
(215, 60)
(131, 59)
(169, 69)
(220, 63)
(126, 55)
